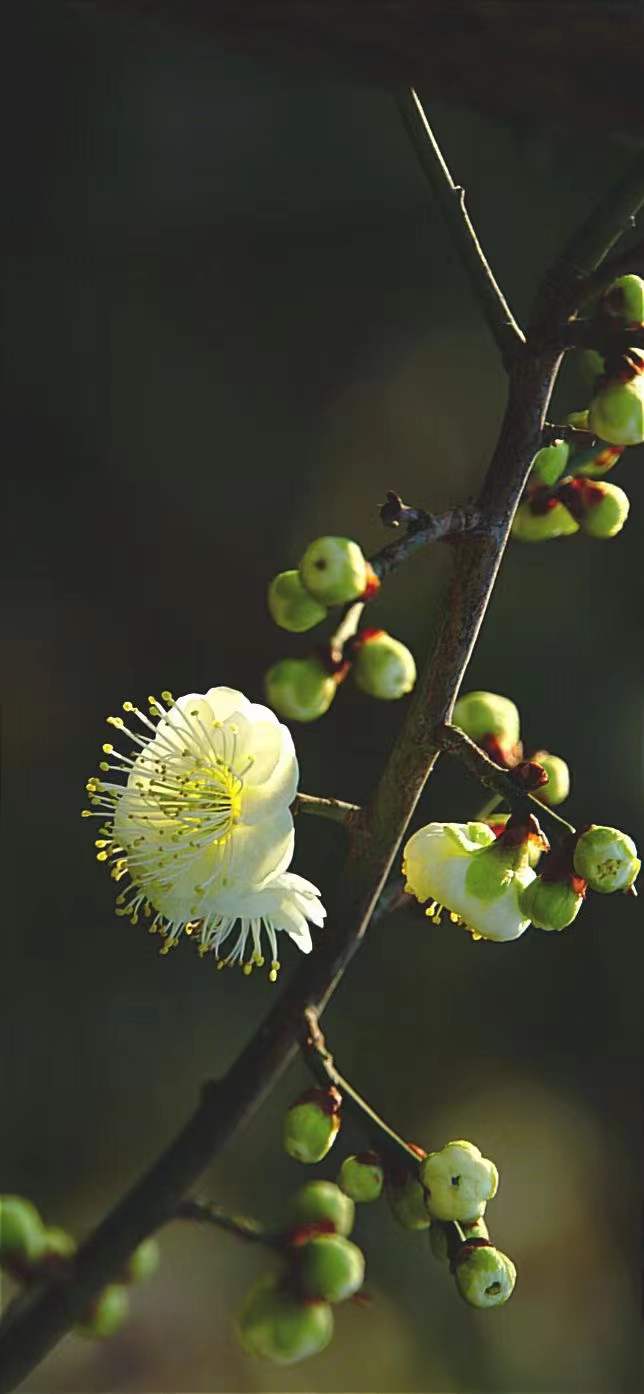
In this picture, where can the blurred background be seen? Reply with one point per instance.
(234, 320)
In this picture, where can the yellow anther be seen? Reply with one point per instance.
(115, 721)
(167, 696)
(454, 917)
(86, 813)
(475, 935)
(272, 977)
(100, 842)
(247, 969)
(101, 856)
(128, 706)
(104, 766)
(221, 965)
(107, 748)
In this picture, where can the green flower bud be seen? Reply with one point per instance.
(143, 1263)
(382, 666)
(481, 714)
(550, 462)
(276, 1325)
(291, 606)
(593, 463)
(22, 1233)
(542, 525)
(330, 1267)
(406, 1198)
(485, 1277)
(439, 1235)
(334, 570)
(625, 300)
(607, 859)
(552, 904)
(299, 688)
(578, 420)
(106, 1314)
(362, 1177)
(605, 509)
(558, 787)
(616, 414)
(312, 1125)
(458, 1181)
(59, 1245)
(322, 1202)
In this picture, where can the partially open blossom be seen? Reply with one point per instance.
(477, 877)
(607, 859)
(458, 1181)
(202, 826)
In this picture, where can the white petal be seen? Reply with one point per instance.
(261, 800)
(224, 701)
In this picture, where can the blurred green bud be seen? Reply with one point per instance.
(312, 1124)
(335, 571)
(59, 1245)
(578, 420)
(106, 1314)
(550, 462)
(625, 300)
(291, 606)
(484, 1276)
(558, 787)
(542, 524)
(607, 859)
(322, 1202)
(593, 463)
(144, 1262)
(382, 666)
(299, 688)
(458, 1181)
(591, 366)
(481, 714)
(439, 1238)
(406, 1198)
(362, 1177)
(330, 1267)
(605, 509)
(22, 1233)
(551, 904)
(276, 1325)
(616, 414)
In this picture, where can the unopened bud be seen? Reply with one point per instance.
(553, 904)
(275, 1324)
(458, 1181)
(607, 859)
(604, 508)
(291, 605)
(439, 1237)
(541, 521)
(330, 1267)
(143, 1263)
(406, 1198)
(550, 462)
(335, 571)
(106, 1314)
(382, 666)
(625, 300)
(482, 714)
(312, 1125)
(322, 1202)
(362, 1177)
(484, 1276)
(616, 414)
(22, 1233)
(558, 787)
(299, 689)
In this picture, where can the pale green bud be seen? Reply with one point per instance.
(406, 1197)
(322, 1202)
(334, 570)
(544, 525)
(558, 787)
(438, 1235)
(458, 1181)
(299, 689)
(578, 420)
(143, 1263)
(550, 462)
(276, 1325)
(485, 1277)
(616, 414)
(481, 714)
(607, 859)
(362, 1177)
(106, 1314)
(606, 509)
(330, 1267)
(625, 299)
(312, 1125)
(291, 606)
(22, 1233)
(59, 1244)
(551, 904)
(383, 667)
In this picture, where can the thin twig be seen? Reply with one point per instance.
(454, 742)
(206, 1212)
(435, 527)
(335, 809)
(629, 260)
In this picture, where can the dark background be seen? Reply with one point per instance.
(235, 319)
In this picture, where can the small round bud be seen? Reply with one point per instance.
(552, 904)
(439, 1237)
(542, 523)
(22, 1233)
(481, 714)
(616, 414)
(330, 1267)
(276, 1325)
(362, 1177)
(382, 666)
(406, 1198)
(550, 462)
(299, 688)
(334, 570)
(625, 300)
(106, 1314)
(605, 509)
(607, 859)
(558, 787)
(291, 606)
(322, 1202)
(312, 1125)
(458, 1181)
(59, 1245)
(578, 420)
(484, 1276)
(143, 1263)
(593, 463)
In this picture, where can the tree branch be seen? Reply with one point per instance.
(206, 1212)
(454, 742)
(606, 338)
(427, 528)
(50, 1310)
(334, 809)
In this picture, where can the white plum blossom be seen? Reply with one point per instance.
(465, 869)
(202, 826)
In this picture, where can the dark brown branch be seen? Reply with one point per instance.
(606, 338)
(500, 781)
(206, 1212)
(432, 527)
(335, 809)
(553, 431)
(631, 259)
